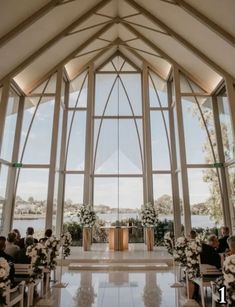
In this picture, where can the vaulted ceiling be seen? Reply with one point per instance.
(38, 36)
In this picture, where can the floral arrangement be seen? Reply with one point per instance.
(87, 215)
(38, 254)
(169, 242)
(192, 252)
(66, 241)
(179, 252)
(85, 296)
(148, 215)
(4, 273)
(229, 279)
(52, 245)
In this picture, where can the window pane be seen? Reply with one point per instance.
(9, 126)
(198, 149)
(226, 127)
(106, 197)
(205, 198)
(129, 140)
(31, 199)
(3, 183)
(187, 86)
(160, 149)
(157, 91)
(119, 95)
(76, 149)
(73, 189)
(78, 91)
(162, 192)
(38, 146)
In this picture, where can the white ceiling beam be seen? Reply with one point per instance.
(206, 21)
(167, 57)
(69, 57)
(54, 40)
(28, 22)
(180, 39)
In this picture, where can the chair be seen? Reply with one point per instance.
(24, 272)
(15, 295)
(208, 273)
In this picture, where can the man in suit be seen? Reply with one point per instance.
(209, 253)
(29, 233)
(223, 244)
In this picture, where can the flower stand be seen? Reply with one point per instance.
(86, 238)
(149, 236)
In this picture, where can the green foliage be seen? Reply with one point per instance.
(75, 230)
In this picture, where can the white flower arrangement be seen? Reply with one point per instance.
(229, 279)
(192, 252)
(87, 215)
(66, 241)
(38, 254)
(179, 252)
(53, 245)
(169, 242)
(148, 215)
(4, 269)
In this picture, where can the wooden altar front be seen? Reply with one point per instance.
(118, 238)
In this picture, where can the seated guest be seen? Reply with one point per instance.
(48, 234)
(29, 233)
(209, 254)
(11, 248)
(21, 256)
(223, 244)
(8, 258)
(192, 235)
(18, 235)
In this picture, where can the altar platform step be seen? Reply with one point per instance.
(100, 255)
(118, 266)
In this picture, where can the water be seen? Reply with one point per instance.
(38, 224)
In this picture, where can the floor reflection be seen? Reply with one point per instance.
(117, 289)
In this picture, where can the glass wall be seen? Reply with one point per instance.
(118, 142)
(31, 188)
(161, 147)
(204, 178)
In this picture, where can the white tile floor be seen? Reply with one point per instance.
(116, 289)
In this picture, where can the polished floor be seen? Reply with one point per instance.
(116, 289)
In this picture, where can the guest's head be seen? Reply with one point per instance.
(213, 241)
(225, 231)
(17, 232)
(193, 234)
(30, 231)
(29, 241)
(11, 238)
(48, 233)
(2, 243)
(231, 244)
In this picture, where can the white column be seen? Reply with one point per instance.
(61, 180)
(88, 176)
(174, 176)
(3, 108)
(10, 192)
(147, 171)
(182, 152)
(230, 87)
(54, 142)
(226, 206)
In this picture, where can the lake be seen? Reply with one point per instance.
(38, 224)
